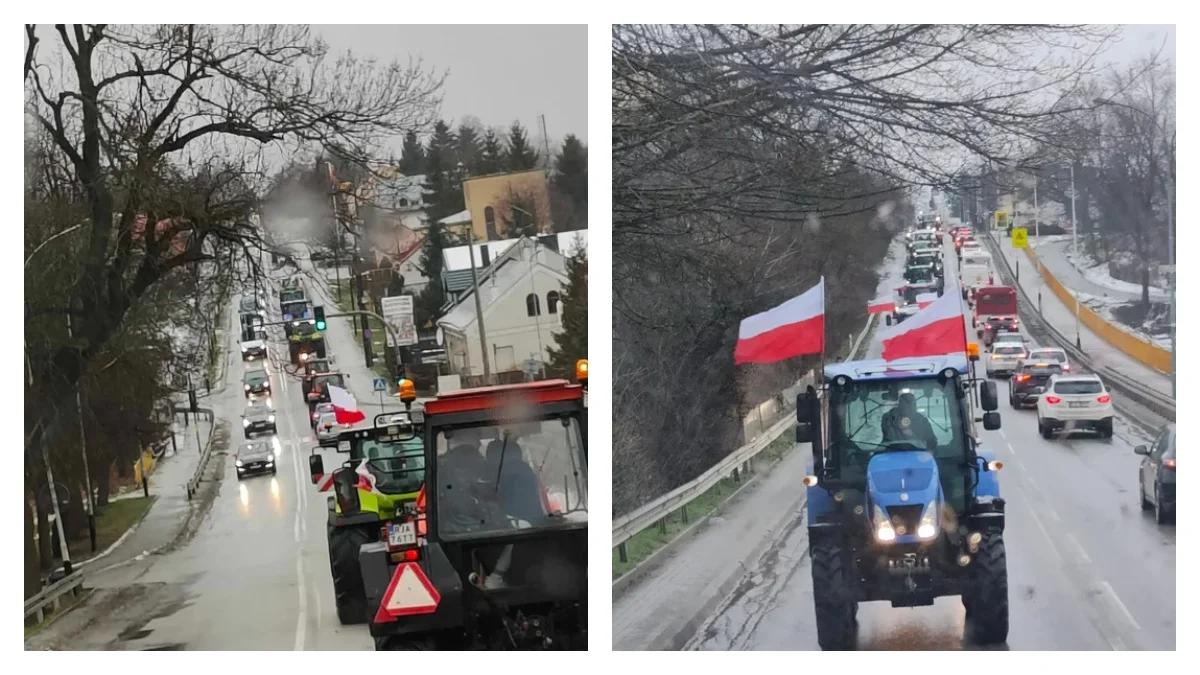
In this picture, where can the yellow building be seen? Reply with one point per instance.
(497, 199)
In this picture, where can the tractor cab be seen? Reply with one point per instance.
(500, 528)
(901, 487)
(317, 390)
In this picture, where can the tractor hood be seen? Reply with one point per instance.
(903, 488)
(253, 344)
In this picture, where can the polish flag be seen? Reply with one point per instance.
(795, 328)
(345, 408)
(933, 331)
(926, 299)
(881, 307)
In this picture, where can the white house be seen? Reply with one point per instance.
(521, 292)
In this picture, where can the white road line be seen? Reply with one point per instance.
(1038, 521)
(1124, 610)
(302, 614)
(1079, 548)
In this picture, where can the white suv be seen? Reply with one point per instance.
(1005, 358)
(1075, 403)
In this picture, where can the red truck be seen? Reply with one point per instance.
(995, 310)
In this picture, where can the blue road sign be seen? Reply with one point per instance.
(380, 384)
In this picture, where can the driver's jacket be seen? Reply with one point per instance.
(899, 426)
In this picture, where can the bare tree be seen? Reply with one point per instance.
(166, 123)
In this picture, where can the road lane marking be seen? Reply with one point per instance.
(1079, 548)
(1120, 605)
(302, 614)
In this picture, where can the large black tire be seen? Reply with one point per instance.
(1146, 505)
(349, 596)
(1161, 515)
(837, 627)
(987, 602)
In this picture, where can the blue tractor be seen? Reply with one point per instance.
(903, 501)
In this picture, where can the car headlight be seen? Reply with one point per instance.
(270, 458)
(883, 526)
(237, 463)
(927, 529)
(246, 387)
(245, 423)
(267, 384)
(271, 419)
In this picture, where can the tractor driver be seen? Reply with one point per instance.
(905, 423)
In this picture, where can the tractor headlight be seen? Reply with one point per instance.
(266, 384)
(271, 419)
(270, 458)
(245, 423)
(883, 527)
(927, 529)
(237, 463)
(246, 387)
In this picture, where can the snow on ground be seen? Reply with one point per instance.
(1097, 273)
(1104, 306)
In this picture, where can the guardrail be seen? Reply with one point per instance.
(205, 453)
(52, 595)
(1155, 401)
(626, 526)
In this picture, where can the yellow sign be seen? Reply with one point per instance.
(1020, 237)
(1001, 220)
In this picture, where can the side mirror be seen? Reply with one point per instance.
(991, 420)
(1141, 450)
(988, 398)
(316, 467)
(803, 433)
(888, 319)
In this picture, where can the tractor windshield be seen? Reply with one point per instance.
(873, 416)
(398, 466)
(497, 479)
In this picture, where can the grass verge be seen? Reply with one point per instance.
(112, 521)
(642, 545)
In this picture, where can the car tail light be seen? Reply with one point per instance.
(1053, 400)
(1103, 399)
(1022, 378)
(1066, 367)
(1169, 463)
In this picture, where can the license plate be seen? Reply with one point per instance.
(1077, 404)
(401, 534)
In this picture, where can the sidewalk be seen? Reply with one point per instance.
(1062, 318)
(664, 607)
(1055, 254)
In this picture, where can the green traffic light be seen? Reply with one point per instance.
(320, 325)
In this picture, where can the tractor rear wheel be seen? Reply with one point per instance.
(349, 596)
(837, 627)
(987, 603)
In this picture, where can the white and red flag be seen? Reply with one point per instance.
(345, 408)
(795, 328)
(936, 330)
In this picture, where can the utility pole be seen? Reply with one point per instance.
(87, 474)
(1075, 246)
(62, 535)
(549, 169)
(483, 349)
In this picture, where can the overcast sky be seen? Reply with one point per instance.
(1139, 40)
(497, 73)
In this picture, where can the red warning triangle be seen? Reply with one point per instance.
(410, 592)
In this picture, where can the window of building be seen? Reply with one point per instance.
(552, 300)
(489, 217)
(532, 306)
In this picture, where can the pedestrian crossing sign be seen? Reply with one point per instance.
(1020, 237)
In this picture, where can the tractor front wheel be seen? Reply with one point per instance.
(837, 627)
(349, 596)
(987, 600)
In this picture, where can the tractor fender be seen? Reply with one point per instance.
(989, 482)
(822, 509)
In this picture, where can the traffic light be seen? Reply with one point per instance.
(319, 313)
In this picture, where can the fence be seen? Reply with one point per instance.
(52, 596)
(1143, 351)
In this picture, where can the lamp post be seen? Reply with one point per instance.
(1170, 189)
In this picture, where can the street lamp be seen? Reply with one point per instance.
(1170, 187)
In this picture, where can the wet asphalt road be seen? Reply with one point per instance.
(256, 575)
(1087, 568)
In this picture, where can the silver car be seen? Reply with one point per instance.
(328, 429)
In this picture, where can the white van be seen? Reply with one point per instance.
(974, 270)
